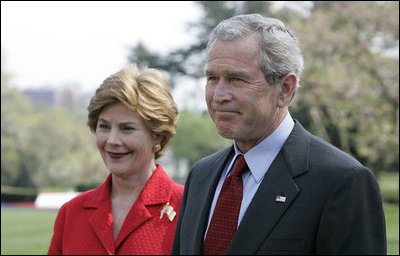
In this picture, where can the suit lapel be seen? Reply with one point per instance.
(264, 210)
(136, 217)
(157, 191)
(101, 220)
(260, 218)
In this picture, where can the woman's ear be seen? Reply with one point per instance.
(158, 139)
(287, 89)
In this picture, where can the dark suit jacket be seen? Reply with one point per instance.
(333, 204)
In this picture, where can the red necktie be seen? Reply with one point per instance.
(226, 213)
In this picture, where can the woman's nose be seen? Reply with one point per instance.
(114, 138)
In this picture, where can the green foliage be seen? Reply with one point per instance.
(67, 151)
(143, 57)
(196, 137)
(45, 146)
(16, 123)
(350, 83)
(389, 184)
(189, 60)
(350, 94)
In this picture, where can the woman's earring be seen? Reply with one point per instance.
(156, 148)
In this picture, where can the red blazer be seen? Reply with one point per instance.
(84, 224)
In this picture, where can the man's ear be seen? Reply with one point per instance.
(287, 89)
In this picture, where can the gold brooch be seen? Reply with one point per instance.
(169, 210)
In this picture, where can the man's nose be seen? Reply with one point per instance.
(222, 92)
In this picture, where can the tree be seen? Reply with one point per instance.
(16, 112)
(349, 94)
(63, 152)
(350, 91)
(196, 137)
(44, 146)
(189, 61)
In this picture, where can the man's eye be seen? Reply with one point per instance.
(236, 79)
(211, 78)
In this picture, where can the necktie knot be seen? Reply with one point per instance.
(240, 166)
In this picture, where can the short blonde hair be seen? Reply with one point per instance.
(146, 92)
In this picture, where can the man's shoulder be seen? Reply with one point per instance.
(322, 159)
(324, 151)
(317, 153)
(215, 157)
(320, 149)
(206, 166)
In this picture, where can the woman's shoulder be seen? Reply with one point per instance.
(79, 200)
(176, 188)
(90, 198)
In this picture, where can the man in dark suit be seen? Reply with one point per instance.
(297, 193)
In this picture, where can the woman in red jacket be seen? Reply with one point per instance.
(135, 210)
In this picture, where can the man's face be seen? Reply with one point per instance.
(240, 101)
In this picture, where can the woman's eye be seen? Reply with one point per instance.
(129, 128)
(103, 126)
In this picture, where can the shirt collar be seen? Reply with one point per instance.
(260, 157)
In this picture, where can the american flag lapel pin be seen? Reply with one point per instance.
(169, 210)
(281, 199)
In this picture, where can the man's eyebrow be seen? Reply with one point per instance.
(238, 74)
(209, 72)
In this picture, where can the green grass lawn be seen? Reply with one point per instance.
(392, 228)
(26, 231)
(29, 231)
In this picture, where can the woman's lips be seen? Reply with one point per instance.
(117, 155)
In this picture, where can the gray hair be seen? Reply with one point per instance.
(280, 52)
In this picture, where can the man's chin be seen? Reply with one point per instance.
(226, 133)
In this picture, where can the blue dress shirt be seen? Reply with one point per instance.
(258, 159)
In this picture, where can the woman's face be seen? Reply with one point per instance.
(124, 141)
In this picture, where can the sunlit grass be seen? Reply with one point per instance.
(28, 231)
(392, 228)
